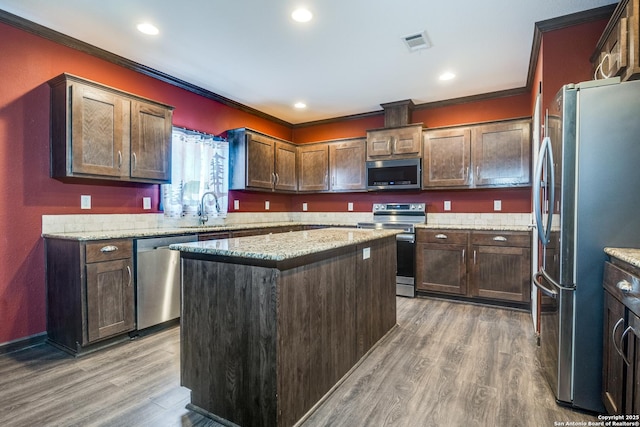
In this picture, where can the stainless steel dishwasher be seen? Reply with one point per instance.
(158, 280)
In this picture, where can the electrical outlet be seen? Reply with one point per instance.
(266, 205)
(447, 205)
(146, 203)
(305, 207)
(85, 202)
(366, 253)
(236, 205)
(497, 205)
(350, 206)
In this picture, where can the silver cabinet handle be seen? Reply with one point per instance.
(119, 159)
(475, 259)
(109, 248)
(613, 336)
(466, 175)
(622, 338)
(477, 173)
(441, 236)
(135, 160)
(463, 256)
(500, 239)
(624, 286)
(129, 271)
(277, 178)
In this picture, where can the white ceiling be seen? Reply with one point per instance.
(348, 60)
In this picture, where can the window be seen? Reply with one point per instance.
(199, 164)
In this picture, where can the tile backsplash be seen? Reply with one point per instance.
(104, 222)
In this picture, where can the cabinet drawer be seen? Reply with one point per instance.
(506, 238)
(616, 279)
(442, 236)
(108, 250)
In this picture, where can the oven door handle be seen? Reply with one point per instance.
(411, 238)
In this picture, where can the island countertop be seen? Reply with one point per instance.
(283, 246)
(629, 255)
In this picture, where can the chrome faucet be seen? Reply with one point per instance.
(203, 217)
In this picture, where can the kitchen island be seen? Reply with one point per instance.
(270, 324)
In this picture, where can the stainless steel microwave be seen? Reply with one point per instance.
(402, 174)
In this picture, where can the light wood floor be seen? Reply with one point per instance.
(446, 364)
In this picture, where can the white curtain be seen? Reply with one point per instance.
(199, 164)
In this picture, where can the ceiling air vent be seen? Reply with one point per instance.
(417, 41)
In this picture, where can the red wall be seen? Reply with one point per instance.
(28, 193)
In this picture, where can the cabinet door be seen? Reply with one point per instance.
(379, 144)
(441, 268)
(285, 167)
(612, 363)
(260, 161)
(501, 154)
(501, 273)
(100, 132)
(407, 142)
(446, 158)
(150, 142)
(632, 395)
(110, 299)
(313, 167)
(347, 165)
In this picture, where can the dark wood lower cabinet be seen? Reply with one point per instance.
(90, 292)
(482, 265)
(621, 339)
(612, 363)
(441, 261)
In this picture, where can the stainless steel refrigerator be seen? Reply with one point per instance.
(586, 197)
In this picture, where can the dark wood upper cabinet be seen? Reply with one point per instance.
(313, 167)
(261, 162)
(447, 157)
(332, 166)
(495, 154)
(394, 143)
(616, 53)
(98, 132)
(347, 165)
(150, 142)
(285, 166)
(501, 154)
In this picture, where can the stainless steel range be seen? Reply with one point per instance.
(401, 216)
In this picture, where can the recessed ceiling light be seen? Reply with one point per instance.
(148, 28)
(300, 105)
(447, 76)
(301, 15)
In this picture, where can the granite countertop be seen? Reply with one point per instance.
(173, 231)
(629, 255)
(474, 227)
(159, 232)
(284, 246)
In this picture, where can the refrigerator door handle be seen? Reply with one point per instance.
(547, 291)
(545, 153)
(541, 274)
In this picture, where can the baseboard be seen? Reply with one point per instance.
(22, 343)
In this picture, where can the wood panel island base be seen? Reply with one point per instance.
(270, 324)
